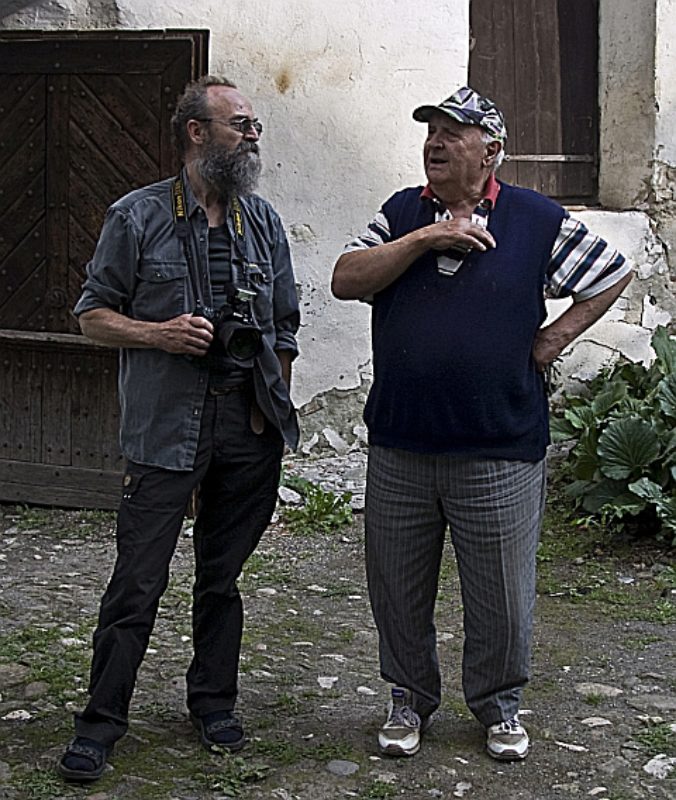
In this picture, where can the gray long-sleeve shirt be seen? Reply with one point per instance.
(140, 269)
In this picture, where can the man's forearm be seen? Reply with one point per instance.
(551, 341)
(362, 273)
(108, 327)
(182, 335)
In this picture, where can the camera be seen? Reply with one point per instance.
(235, 328)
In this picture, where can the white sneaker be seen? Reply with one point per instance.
(400, 735)
(507, 741)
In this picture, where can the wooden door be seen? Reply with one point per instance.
(537, 59)
(84, 119)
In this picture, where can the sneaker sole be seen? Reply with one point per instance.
(396, 751)
(507, 754)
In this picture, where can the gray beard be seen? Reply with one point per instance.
(230, 172)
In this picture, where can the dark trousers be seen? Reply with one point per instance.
(238, 473)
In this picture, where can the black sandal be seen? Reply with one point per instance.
(219, 730)
(84, 760)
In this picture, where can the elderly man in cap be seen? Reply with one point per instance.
(457, 273)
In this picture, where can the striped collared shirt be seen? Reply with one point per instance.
(581, 264)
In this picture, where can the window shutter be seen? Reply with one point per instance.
(537, 59)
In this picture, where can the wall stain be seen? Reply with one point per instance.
(283, 81)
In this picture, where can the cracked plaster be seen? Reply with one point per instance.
(55, 14)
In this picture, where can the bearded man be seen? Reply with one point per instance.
(192, 280)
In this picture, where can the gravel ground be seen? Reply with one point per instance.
(601, 706)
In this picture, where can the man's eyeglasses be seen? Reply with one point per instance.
(241, 124)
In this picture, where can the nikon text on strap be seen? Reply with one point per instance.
(184, 233)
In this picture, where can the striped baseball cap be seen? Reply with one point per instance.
(469, 107)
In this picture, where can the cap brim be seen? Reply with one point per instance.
(423, 114)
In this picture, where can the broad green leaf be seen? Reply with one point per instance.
(665, 504)
(561, 430)
(605, 493)
(635, 375)
(665, 350)
(626, 446)
(666, 395)
(586, 464)
(581, 418)
(647, 489)
(667, 513)
(578, 488)
(626, 505)
(609, 398)
(669, 446)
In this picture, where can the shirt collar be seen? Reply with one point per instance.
(488, 201)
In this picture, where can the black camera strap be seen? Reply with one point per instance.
(200, 281)
(240, 240)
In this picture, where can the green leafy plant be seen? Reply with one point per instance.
(657, 738)
(322, 510)
(379, 790)
(40, 784)
(594, 699)
(623, 462)
(234, 774)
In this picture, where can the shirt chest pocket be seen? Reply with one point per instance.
(161, 290)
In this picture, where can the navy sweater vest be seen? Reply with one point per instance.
(453, 370)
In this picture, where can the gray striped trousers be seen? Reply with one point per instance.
(493, 509)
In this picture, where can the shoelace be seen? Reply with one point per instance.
(510, 726)
(403, 716)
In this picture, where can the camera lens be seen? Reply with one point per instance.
(241, 342)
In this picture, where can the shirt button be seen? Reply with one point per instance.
(195, 412)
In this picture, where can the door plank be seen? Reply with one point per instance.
(65, 487)
(103, 132)
(20, 405)
(97, 56)
(56, 408)
(56, 189)
(492, 65)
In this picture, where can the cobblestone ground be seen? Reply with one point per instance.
(601, 707)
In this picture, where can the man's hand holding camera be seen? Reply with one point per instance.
(185, 335)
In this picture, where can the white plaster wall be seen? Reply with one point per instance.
(627, 100)
(665, 72)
